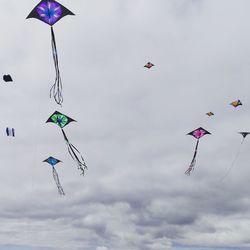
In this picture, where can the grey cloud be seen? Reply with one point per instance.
(131, 126)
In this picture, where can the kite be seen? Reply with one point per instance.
(236, 103)
(62, 120)
(50, 12)
(149, 65)
(244, 135)
(197, 134)
(10, 132)
(7, 78)
(53, 161)
(210, 114)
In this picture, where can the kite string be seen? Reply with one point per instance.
(56, 88)
(233, 162)
(192, 164)
(57, 181)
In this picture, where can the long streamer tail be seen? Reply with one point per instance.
(57, 181)
(234, 161)
(75, 155)
(56, 89)
(192, 164)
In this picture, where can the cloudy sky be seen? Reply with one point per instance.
(131, 126)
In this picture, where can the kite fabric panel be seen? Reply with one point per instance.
(50, 12)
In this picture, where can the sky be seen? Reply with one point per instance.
(131, 126)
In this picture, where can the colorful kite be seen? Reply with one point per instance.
(50, 12)
(210, 114)
(197, 134)
(62, 121)
(7, 78)
(244, 135)
(236, 103)
(53, 161)
(10, 132)
(149, 65)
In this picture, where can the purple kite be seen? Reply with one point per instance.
(197, 134)
(50, 12)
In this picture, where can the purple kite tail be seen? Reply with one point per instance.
(56, 89)
(192, 164)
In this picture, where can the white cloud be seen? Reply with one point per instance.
(102, 248)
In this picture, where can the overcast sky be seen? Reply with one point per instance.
(131, 126)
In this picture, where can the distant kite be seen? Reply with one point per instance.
(197, 134)
(149, 65)
(62, 121)
(53, 161)
(7, 78)
(50, 12)
(244, 135)
(10, 132)
(210, 114)
(236, 103)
